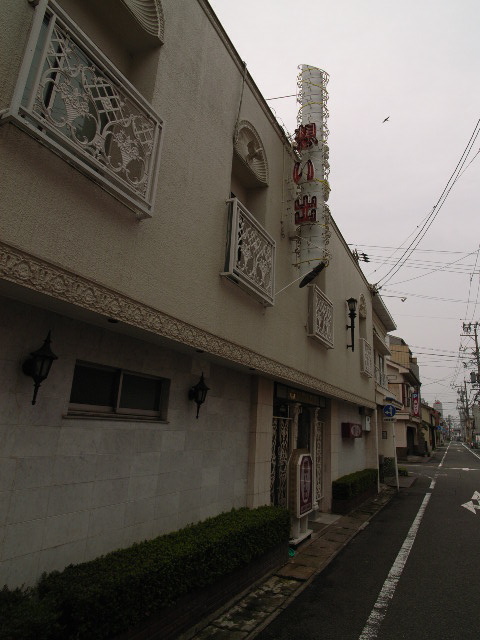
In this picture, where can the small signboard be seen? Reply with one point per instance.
(305, 485)
(301, 491)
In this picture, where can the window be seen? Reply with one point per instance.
(71, 98)
(104, 390)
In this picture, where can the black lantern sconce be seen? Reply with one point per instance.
(352, 314)
(198, 393)
(39, 364)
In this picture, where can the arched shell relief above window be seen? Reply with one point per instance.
(149, 14)
(250, 149)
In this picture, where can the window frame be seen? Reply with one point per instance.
(114, 410)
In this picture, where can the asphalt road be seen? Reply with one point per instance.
(413, 572)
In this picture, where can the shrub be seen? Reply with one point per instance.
(24, 615)
(353, 484)
(389, 467)
(109, 595)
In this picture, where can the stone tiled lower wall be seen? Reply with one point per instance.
(72, 489)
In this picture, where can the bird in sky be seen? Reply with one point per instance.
(386, 119)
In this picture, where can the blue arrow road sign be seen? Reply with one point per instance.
(389, 410)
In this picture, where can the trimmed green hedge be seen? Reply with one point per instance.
(353, 484)
(109, 595)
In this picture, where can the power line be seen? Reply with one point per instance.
(377, 246)
(291, 95)
(436, 208)
(435, 271)
(418, 295)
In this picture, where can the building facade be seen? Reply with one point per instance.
(382, 324)
(148, 228)
(404, 383)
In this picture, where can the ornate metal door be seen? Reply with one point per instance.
(280, 451)
(318, 455)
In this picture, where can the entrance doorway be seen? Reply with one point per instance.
(295, 426)
(410, 441)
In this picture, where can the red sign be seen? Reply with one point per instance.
(305, 211)
(415, 404)
(306, 136)
(351, 430)
(298, 171)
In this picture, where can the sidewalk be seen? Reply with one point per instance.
(251, 612)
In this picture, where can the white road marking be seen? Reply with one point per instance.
(471, 506)
(446, 451)
(471, 451)
(379, 611)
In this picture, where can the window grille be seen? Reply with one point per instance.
(71, 98)
(250, 255)
(366, 355)
(320, 317)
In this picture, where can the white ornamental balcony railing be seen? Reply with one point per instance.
(366, 358)
(250, 255)
(71, 98)
(320, 317)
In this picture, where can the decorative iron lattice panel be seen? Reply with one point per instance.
(280, 450)
(250, 257)
(319, 427)
(320, 317)
(366, 358)
(77, 103)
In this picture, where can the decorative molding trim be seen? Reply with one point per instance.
(149, 14)
(33, 273)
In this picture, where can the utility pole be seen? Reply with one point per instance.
(471, 330)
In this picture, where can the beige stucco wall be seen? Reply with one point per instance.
(351, 454)
(172, 261)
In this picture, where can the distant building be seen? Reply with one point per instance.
(437, 405)
(405, 385)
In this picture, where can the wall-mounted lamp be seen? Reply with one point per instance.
(198, 393)
(39, 364)
(352, 309)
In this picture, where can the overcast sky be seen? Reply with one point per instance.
(416, 61)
